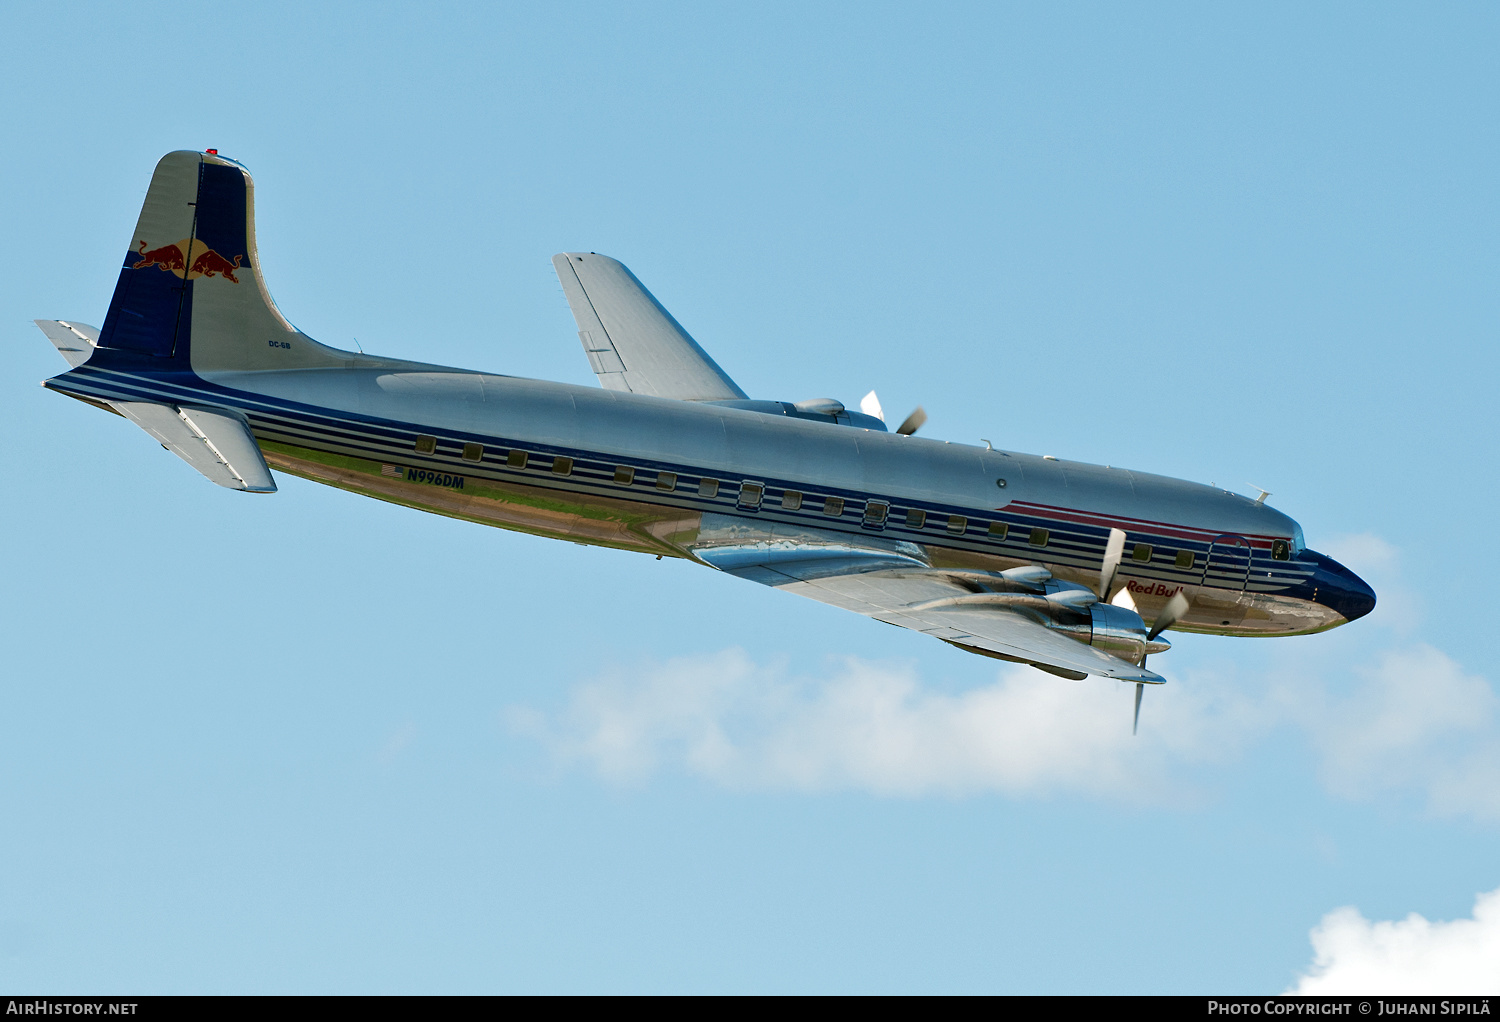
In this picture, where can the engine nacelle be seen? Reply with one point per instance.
(1121, 632)
(1117, 631)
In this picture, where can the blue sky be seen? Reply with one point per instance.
(314, 743)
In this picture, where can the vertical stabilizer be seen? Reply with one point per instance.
(190, 292)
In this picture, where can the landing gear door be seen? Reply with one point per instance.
(1228, 565)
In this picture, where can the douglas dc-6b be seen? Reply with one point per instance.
(1051, 563)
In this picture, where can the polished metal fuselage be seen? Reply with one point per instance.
(659, 476)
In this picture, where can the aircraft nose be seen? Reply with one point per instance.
(1338, 588)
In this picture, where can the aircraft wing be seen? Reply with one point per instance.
(632, 342)
(892, 582)
(216, 442)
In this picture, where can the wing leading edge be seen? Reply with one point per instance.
(632, 343)
(892, 582)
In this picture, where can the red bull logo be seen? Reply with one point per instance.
(174, 259)
(1153, 589)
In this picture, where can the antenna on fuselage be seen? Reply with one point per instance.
(1264, 493)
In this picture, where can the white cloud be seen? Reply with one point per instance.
(1363, 552)
(1385, 715)
(875, 727)
(1412, 721)
(1352, 955)
(1379, 563)
(1415, 721)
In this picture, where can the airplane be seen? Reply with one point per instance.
(1034, 560)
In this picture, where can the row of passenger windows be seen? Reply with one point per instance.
(1144, 552)
(876, 511)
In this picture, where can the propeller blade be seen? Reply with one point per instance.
(870, 405)
(1140, 690)
(1114, 550)
(1175, 608)
(913, 422)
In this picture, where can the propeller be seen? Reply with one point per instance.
(1114, 550)
(1169, 616)
(870, 405)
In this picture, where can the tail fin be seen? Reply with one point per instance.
(190, 293)
(632, 342)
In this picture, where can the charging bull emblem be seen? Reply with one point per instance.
(174, 259)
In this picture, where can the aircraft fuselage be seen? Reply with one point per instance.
(665, 477)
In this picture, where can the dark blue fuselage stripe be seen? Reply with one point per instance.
(354, 434)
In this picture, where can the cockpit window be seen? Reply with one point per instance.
(1281, 550)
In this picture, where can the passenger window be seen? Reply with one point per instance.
(1281, 550)
(833, 507)
(1184, 559)
(708, 487)
(473, 452)
(562, 466)
(957, 524)
(791, 500)
(666, 480)
(1142, 552)
(998, 530)
(516, 459)
(624, 475)
(750, 494)
(916, 518)
(1039, 537)
(875, 512)
(426, 444)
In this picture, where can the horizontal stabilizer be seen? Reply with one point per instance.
(633, 343)
(73, 341)
(216, 442)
